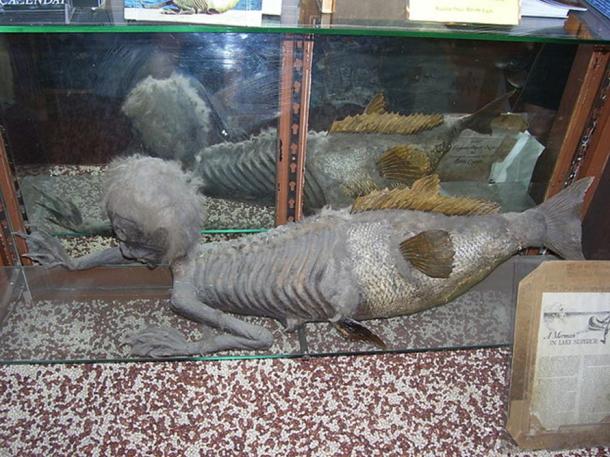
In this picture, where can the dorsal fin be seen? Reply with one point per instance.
(423, 196)
(431, 252)
(376, 105)
(404, 163)
(387, 123)
(355, 331)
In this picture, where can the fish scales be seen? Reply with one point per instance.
(196, 5)
(393, 286)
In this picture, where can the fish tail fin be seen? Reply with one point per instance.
(562, 218)
(480, 121)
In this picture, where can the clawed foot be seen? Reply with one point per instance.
(162, 342)
(63, 212)
(46, 250)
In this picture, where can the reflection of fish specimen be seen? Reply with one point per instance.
(374, 149)
(360, 153)
(336, 266)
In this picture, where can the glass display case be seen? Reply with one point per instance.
(277, 122)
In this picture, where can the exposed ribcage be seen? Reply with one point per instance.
(240, 170)
(247, 170)
(280, 280)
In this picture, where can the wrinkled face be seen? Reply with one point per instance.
(137, 245)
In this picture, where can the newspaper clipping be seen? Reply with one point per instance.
(572, 381)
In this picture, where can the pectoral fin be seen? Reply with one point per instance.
(404, 163)
(480, 121)
(355, 331)
(431, 252)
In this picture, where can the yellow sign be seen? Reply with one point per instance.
(504, 12)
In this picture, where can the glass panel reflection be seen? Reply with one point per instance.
(51, 315)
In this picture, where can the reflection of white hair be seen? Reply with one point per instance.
(170, 115)
(154, 194)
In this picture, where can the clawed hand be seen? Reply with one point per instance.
(63, 212)
(46, 250)
(162, 342)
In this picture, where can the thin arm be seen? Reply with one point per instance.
(110, 256)
(240, 334)
(48, 251)
(167, 342)
(92, 227)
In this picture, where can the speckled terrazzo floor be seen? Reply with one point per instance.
(421, 404)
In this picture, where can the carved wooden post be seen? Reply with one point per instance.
(585, 112)
(11, 217)
(295, 88)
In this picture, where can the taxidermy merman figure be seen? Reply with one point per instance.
(341, 266)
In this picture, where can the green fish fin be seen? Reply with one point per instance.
(404, 163)
(355, 331)
(377, 105)
(431, 252)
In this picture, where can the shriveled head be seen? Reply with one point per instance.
(155, 208)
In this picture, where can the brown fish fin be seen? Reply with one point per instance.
(404, 163)
(430, 184)
(563, 233)
(480, 121)
(355, 331)
(387, 123)
(376, 105)
(421, 197)
(431, 252)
